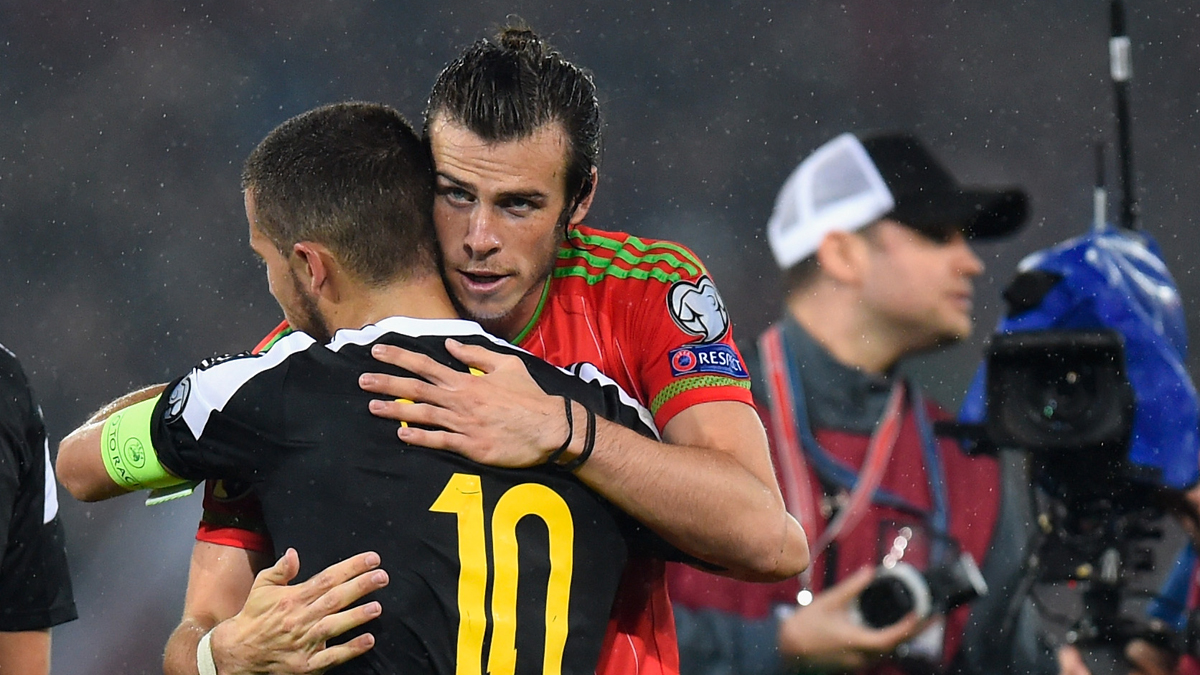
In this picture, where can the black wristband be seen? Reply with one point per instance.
(588, 445)
(570, 434)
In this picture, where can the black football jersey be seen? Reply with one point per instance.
(35, 588)
(491, 570)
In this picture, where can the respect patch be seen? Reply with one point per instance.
(716, 357)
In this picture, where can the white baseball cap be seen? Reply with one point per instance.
(849, 183)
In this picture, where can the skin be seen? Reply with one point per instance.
(880, 294)
(25, 652)
(78, 472)
(497, 214)
(260, 622)
(886, 293)
(1145, 657)
(709, 489)
(826, 635)
(883, 293)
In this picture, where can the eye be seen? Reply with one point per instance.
(518, 204)
(455, 194)
(939, 234)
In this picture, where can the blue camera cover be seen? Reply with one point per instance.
(1117, 279)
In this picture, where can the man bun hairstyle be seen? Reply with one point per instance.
(505, 88)
(354, 177)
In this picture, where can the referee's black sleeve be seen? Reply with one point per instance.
(35, 587)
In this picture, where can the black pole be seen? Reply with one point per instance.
(1121, 69)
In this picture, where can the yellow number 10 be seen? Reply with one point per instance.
(463, 496)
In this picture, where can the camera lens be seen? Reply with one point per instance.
(1065, 400)
(1059, 391)
(885, 601)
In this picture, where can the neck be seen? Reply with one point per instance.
(511, 324)
(418, 298)
(837, 322)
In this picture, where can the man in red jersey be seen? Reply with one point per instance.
(514, 131)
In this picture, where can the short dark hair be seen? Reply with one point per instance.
(799, 277)
(504, 89)
(355, 177)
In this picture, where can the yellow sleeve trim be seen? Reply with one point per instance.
(695, 382)
(129, 454)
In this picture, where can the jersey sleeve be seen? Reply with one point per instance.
(35, 586)
(686, 338)
(218, 422)
(232, 515)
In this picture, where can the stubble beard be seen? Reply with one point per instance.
(496, 319)
(309, 318)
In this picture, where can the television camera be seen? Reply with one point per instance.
(1086, 374)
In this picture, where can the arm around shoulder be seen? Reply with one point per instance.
(710, 489)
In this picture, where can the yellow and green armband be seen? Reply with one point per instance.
(129, 454)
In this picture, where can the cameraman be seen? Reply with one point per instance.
(1171, 647)
(872, 236)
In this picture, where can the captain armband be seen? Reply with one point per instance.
(128, 452)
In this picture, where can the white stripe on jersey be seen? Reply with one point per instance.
(50, 502)
(588, 372)
(411, 327)
(210, 389)
(461, 327)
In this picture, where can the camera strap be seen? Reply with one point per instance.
(795, 441)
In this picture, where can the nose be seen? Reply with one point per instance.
(968, 262)
(482, 239)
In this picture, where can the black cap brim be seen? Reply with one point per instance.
(981, 214)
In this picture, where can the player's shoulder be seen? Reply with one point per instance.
(215, 380)
(420, 335)
(14, 385)
(10, 367)
(599, 256)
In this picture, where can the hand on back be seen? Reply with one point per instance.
(284, 628)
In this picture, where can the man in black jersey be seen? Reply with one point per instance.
(35, 588)
(490, 569)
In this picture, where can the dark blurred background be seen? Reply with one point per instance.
(123, 246)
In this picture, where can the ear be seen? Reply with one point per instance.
(315, 267)
(843, 257)
(581, 209)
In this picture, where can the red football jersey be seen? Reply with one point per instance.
(648, 316)
(646, 313)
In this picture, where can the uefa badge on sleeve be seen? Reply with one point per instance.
(177, 400)
(715, 358)
(698, 310)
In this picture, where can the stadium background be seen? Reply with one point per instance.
(123, 244)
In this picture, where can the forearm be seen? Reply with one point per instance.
(80, 466)
(219, 581)
(110, 457)
(702, 499)
(25, 652)
(710, 490)
(124, 402)
(179, 658)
